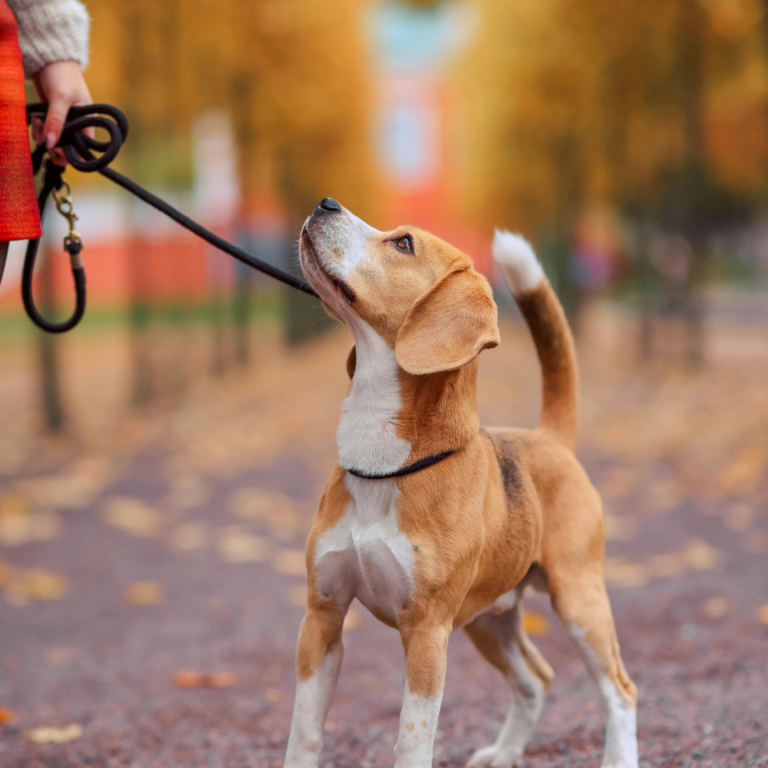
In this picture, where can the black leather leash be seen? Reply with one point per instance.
(79, 149)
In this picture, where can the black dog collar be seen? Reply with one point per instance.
(427, 461)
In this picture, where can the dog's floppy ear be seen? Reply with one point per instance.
(449, 325)
(351, 362)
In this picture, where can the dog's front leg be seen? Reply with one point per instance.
(425, 649)
(318, 661)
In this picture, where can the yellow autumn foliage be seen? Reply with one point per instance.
(292, 74)
(567, 104)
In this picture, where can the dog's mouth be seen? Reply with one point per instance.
(308, 250)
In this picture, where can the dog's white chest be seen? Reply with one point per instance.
(367, 436)
(365, 555)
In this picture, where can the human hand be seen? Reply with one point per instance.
(61, 84)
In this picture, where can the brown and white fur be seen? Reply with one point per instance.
(453, 545)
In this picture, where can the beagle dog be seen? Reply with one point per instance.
(433, 522)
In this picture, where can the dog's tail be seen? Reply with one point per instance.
(554, 343)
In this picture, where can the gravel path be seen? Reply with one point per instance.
(141, 573)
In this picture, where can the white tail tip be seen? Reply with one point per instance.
(516, 257)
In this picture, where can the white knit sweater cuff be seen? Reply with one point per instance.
(51, 30)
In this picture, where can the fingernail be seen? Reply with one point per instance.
(50, 140)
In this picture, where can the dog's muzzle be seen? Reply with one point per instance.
(313, 227)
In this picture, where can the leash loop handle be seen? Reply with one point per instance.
(78, 146)
(79, 150)
(89, 155)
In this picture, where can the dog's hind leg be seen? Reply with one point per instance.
(581, 602)
(502, 640)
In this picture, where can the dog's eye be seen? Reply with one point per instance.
(404, 244)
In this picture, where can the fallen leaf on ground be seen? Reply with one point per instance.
(38, 584)
(51, 735)
(283, 514)
(5, 573)
(222, 679)
(699, 556)
(74, 488)
(188, 679)
(716, 607)
(13, 505)
(290, 562)
(132, 516)
(6, 716)
(193, 679)
(188, 536)
(238, 546)
(18, 524)
(762, 614)
(745, 471)
(57, 657)
(259, 504)
(144, 593)
(353, 619)
(620, 527)
(668, 564)
(535, 623)
(623, 572)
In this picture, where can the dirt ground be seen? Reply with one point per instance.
(152, 578)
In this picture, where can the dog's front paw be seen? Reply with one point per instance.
(622, 756)
(493, 757)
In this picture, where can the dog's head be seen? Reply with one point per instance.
(420, 294)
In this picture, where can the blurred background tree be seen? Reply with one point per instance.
(628, 140)
(291, 76)
(656, 110)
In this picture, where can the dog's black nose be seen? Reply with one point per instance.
(330, 205)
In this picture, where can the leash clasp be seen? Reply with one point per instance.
(65, 207)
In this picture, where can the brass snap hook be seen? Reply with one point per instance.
(65, 207)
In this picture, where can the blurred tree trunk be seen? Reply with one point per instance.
(219, 359)
(241, 314)
(567, 155)
(48, 348)
(644, 282)
(140, 310)
(177, 314)
(695, 183)
(139, 318)
(765, 19)
(243, 88)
